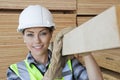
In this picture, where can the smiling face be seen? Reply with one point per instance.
(37, 40)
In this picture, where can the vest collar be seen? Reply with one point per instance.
(31, 60)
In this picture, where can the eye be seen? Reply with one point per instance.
(43, 33)
(29, 35)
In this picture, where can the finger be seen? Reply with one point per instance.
(84, 54)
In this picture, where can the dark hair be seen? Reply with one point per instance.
(51, 29)
(23, 31)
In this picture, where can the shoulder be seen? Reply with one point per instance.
(14, 67)
(12, 70)
(11, 75)
(18, 64)
(75, 62)
(79, 70)
(76, 65)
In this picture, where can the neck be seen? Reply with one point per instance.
(43, 58)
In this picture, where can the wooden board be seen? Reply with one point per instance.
(110, 75)
(109, 59)
(99, 1)
(50, 4)
(100, 32)
(83, 19)
(64, 20)
(93, 7)
(10, 54)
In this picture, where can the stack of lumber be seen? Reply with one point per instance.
(93, 7)
(110, 75)
(109, 60)
(12, 47)
(50, 4)
(83, 19)
(63, 21)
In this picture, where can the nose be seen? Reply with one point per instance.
(37, 39)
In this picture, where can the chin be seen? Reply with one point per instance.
(38, 52)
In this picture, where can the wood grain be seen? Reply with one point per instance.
(110, 75)
(94, 7)
(109, 59)
(100, 32)
(50, 4)
(83, 19)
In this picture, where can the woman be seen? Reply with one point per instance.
(36, 25)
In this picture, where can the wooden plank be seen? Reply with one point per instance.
(110, 75)
(8, 33)
(9, 55)
(98, 1)
(9, 40)
(94, 7)
(63, 21)
(8, 24)
(83, 19)
(50, 4)
(101, 32)
(109, 59)
(15, 48)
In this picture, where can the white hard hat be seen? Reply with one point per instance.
(35, 16)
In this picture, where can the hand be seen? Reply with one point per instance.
(80, 56)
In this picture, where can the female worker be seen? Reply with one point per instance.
(36, 24)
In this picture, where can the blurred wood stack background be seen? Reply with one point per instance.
(66, 13)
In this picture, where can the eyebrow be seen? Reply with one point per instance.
(33, 32)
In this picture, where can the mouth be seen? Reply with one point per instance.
(38, 47)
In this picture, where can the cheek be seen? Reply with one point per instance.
(29, 45)
(46, 41)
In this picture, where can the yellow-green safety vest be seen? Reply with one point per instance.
(33, 73)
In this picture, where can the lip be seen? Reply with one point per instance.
(38, 47)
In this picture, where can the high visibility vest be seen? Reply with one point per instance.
(30, 72)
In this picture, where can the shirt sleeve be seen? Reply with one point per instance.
(79, 71)
(11, 75)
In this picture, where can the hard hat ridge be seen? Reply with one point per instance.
(35, 16)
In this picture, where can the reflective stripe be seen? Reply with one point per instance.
(23, 72)
(69, 64)
(15, 69)
(67, 71)
(34, 72)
